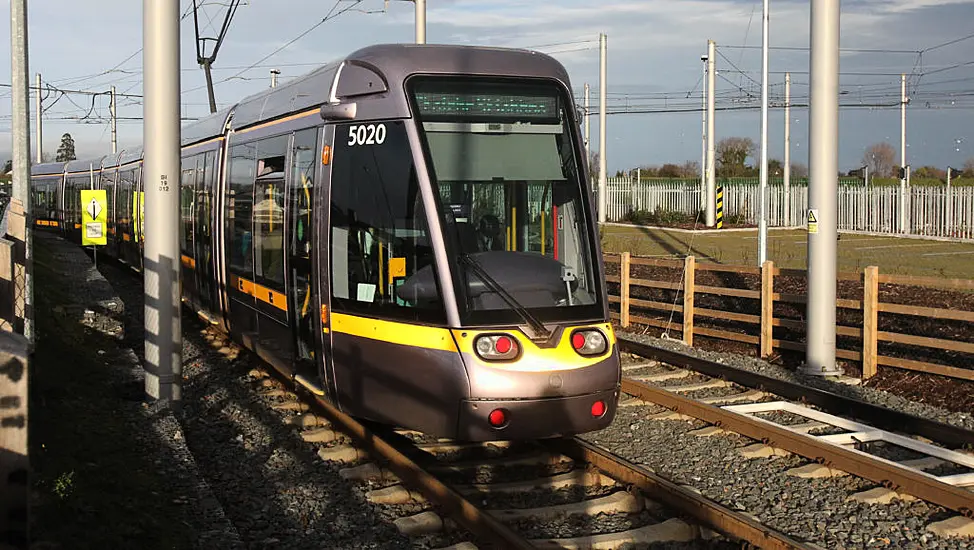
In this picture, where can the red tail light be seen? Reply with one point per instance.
(598, 409)
(497, 418)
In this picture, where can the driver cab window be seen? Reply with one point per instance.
(379, 235)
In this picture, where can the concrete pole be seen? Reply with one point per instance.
(588, 124)
(711, 153)
(603, 46)
(903, 206)
(703, 138)
(114, 117)
(420, 21)
(274, 73)
(20, 145)
(163, 331)
(787, 166)
(763, 187)
(38, 121)
(823, 187)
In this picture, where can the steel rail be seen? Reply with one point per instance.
(875, 415)
(478, 522)
(732, 523)
(887, 473)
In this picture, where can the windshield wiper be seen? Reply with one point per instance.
(541, 333)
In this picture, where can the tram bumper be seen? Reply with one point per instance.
(536, 418)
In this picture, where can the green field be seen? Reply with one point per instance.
(787, 248)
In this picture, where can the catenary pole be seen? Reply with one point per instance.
(420, 21)
(274, 73)
(787, 164)
(603, 46)
(703, 138)
(822, 188)
(903, 207)
(163, 331)
(711, 213)
(38, 121)
(20, 145)
(763, 187)
(588, 124)
(114, 118)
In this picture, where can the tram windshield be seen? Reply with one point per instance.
(502, 158)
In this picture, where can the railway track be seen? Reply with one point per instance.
(840, 435)
(560, 493)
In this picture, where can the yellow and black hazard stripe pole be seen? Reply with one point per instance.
(720, 206)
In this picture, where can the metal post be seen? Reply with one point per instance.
(711, 164)
(949, 207)
(763, 187)
(114, 116)
(420, 21)
(787, 163)
(703, 138)
(20, 145)
(163, 332)
(903, 209)
(823, 187)
(603, 46)
(274, 73)
(588, 120)
(209, 84)
(38, 117)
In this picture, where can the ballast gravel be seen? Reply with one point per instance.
(867, 394)
(815, 510)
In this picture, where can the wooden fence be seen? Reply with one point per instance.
(682, 311)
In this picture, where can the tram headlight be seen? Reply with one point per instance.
(589, 342)
(497, 347)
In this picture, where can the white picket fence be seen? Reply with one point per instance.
(930, 211)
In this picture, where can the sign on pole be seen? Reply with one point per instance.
(94, 217)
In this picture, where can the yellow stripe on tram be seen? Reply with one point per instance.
(260, 292)
(395, 333)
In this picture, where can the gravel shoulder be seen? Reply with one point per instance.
(225, 471)
(108, 471)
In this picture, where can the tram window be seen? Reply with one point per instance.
(269, 210)
(109, 181)
(304, 160)
(186, 204)
(378, 224)
(239, 208)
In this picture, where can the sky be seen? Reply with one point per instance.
(654, 66)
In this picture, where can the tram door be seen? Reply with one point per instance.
(204, 238)
(303, 297)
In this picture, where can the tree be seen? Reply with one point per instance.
(799, 170)
(881, 160)
(732, 153)
(775, 168)
(690, 169)
(931, 172)
(669, 170)
(66, 151)
(969, 168)
(7, 167)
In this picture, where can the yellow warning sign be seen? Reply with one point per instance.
(94, 217)
(813, 221)
(397, 268)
